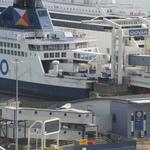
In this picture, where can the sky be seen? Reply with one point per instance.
(143, 3)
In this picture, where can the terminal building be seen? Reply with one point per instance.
(126, 116)
(131, 117)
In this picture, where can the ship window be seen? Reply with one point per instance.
(1, 50)
(4, 51)
(1, 43)
(18, 46)
(45, 47)
(78, 55)
(51, 55)
(66, 46)
(12, 52)
(15, 45)
(15, 52)
(35, 112)
(63, 54)
(19, 53)
(32, 47)
(38, 47)
(8, 44)
(22, 54)
(26, 54)
(12, 45)
(4, 44)
(65, 114)
(75, 55)
(79, 115)
(8, 52)
(45, 55)
(57, 54)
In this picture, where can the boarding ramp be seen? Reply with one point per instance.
(140, 79)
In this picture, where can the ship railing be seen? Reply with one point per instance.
(76, 76)
(69, 76)
(20, 31)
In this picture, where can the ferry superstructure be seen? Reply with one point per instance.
(54, 63)
(70, 15)
(89, 7)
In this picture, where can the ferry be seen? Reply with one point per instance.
(73, 14)
(88, 8)
(53, 64)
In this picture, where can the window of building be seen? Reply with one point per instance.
(114, 118)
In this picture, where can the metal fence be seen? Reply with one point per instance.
(125, 145)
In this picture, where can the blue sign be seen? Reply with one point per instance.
(139, 117)
(3, 67)
(138, 32)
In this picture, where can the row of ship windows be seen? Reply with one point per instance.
(78, 9)
(82, 26)
(52, 55)
(48, 47)
(63, 54)
(84, 56)
(9, 45)
(12, 52)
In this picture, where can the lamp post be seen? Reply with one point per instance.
(16, 116)
(16, 144)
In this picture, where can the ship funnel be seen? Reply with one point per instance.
(28, 4)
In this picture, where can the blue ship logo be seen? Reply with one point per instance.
(4, 67)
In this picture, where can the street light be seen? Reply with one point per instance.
(16, 118)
